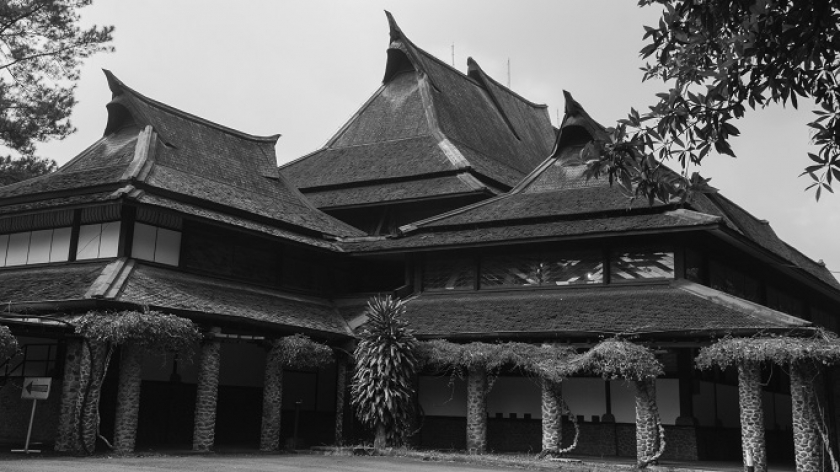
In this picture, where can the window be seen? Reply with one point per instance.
(156, 244)
(641, 264)
(726, 279)
(34, 360)
(452, 273)
(98, 240)
(35, 247)
(537, 269)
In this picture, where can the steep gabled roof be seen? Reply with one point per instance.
(429, 125)
(165, 151)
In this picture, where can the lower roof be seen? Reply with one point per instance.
(118, 283)
(678, 308)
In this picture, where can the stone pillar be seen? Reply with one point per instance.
(752, 415)
(647, 428)
(73, 385)
(128, 399)
(272, 401)
(806, 438)
(90, 398)
(552, 415)
(204, 429)
(477, 411)
(340, 389)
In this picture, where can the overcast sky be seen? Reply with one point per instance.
(302, 68)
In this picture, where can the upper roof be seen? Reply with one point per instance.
(439, 130)
(556, 200)
(161, 150)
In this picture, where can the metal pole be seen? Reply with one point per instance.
(29, 431)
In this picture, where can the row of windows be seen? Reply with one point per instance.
(96, 241)
(546, 269)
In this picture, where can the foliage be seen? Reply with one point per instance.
(41, 50)
(26, 167)
(719, 57)
(8, 343)
(548, 361)
(382, 389)
(618, 358)
(300, 352)
(822, 347)
(150, 330)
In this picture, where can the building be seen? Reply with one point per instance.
(447, 189)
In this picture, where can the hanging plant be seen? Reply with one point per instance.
(618, 358)
(822, 347)
(103, 332)
(300, 352)
(8, 343)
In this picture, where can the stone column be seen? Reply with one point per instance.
(477, 411)
(647, 428)
(806, 438)
(752, 415)
(90, 398)
(204, 429)
(272, 401)
(73, 385)
(340, 388)
(552, 427)
(128, 399)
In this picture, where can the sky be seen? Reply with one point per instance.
(301, 68)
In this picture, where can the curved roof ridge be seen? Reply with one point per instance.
(472, 64)
(118, 88)
(398, 35)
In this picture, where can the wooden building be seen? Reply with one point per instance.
(446, 189)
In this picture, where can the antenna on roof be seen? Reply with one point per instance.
(453, 54)
(508, 72)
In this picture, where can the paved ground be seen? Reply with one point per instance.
(283, 463)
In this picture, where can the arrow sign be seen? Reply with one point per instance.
(36, 388)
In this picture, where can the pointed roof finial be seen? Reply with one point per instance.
(395, 31)
(572, 105)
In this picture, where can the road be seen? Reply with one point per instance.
(280, 463)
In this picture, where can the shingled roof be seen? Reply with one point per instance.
(677, 308)
(125, 282)
(556, 200)
(151, 148)
(431, 127)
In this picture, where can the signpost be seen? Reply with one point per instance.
(34, 388)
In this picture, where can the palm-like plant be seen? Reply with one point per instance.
(383, 388)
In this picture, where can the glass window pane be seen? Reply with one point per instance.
(449, 274)
(642, 264)
(511, 271)
(168, 247)
(18, 249)
(143, 246)
(89, 237)
(110, 239)
(585, 267)
(4, 245)
(39, 247)
(60, 250)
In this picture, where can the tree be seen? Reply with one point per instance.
(41, 50)
(383, 383)
(718, 58)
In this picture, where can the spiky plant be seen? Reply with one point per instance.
(383, 388)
